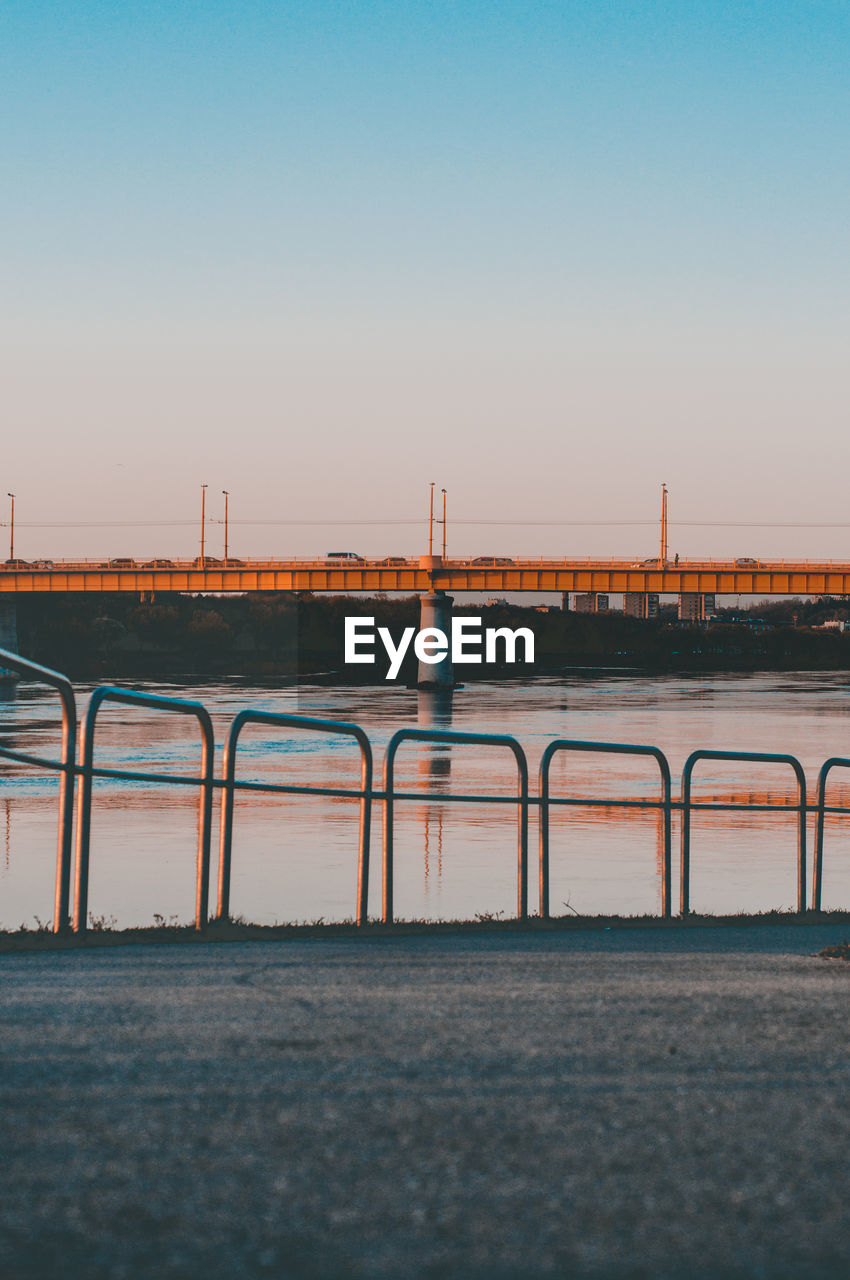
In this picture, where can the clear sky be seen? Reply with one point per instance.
(546, 254)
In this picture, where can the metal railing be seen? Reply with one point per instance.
(230, 786)
(545, 800)
(835, 762)
(688, 805)
(85, 771)
(66, 767)
(390, 795)
(741, 565)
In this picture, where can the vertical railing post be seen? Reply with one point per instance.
(225, 844)
(62, 896)
(387, 845)
(817, 867)
(543, 832)
(685, 861)
(202, 877)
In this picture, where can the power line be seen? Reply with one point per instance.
(381, 523)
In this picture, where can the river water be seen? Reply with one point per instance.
(294, 858)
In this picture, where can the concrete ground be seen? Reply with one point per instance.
(638, 1103)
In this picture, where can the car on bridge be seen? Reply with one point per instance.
(17, 564)
(393, 560)
(158, 564)
(123, 562)
(344, 555)
(495, 561)
(746, 562)
(206, 562)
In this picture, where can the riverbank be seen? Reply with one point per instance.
(104, 935)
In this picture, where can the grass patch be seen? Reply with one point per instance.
(841, 951)
(102, 933)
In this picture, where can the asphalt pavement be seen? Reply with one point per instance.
(630, 1103)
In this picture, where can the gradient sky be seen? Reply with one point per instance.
(547, 255)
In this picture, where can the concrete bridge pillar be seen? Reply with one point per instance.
(435, 610)
(8, 633)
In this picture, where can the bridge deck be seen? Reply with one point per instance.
(763, 577)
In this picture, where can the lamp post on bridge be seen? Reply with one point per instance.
(203, 520)
(12, 525)
(444, 522)
(226, 497)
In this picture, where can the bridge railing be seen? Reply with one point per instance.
(85, 771)
(740, 566)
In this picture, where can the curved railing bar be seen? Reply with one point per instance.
(340, 727)
(607, 748)
(758, 757)
(62, 685)
(455, 738)
(834, 762)
(87, 772)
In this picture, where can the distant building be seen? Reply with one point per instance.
(640, 604)
(696, 606)
(590, 602)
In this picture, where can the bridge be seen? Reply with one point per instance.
(430, 574)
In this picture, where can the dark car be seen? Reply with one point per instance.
(495, 561)
(123, 562)
(17, 564)
(393, 560)
(158, 564)
(746, 562)
(206, 562)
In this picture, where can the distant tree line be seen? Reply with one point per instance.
(287, 634)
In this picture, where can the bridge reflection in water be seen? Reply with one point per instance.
(295, 855)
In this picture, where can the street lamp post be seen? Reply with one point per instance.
(12, 525)
(431, 523)
(203, 520)
(444, 523)
(226, 497)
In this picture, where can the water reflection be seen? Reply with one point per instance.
(295, 858)
(433, 711)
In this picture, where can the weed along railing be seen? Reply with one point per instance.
(230, 785)
(758, 757)
(545, 800)
(390, 795)
(72, 872)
